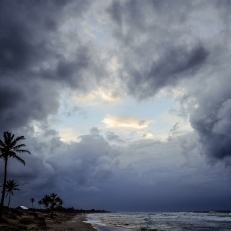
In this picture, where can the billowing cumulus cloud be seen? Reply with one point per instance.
(211, 119)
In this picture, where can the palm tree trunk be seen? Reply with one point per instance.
(9, 201)
(3, 190)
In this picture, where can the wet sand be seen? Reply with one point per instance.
(77, 223)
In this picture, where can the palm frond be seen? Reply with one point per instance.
(18, 146)
(11, 137)
(23, 151)
(2, 144)
(6, 137)
(19, 159)
(11, 154)
(2, 150)
(15, 141)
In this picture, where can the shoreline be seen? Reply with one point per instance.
(17, 220)
(78, 221)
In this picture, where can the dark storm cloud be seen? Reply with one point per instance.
(176, 64)
(32, 67)
(167, 44)
(211, 119)
(19, 105)
(155, 53)
(69, 72)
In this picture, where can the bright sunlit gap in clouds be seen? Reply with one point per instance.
(127, 118)
(122, 122)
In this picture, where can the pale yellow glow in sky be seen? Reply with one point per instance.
(95, 97)
(68, 135)
(122, 122)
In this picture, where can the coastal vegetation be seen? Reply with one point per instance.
(50, 211)
(32, 200)
(11, 186)
(9, 148)
(51, 202)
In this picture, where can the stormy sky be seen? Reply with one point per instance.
(125, 104)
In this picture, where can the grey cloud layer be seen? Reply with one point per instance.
(56, 166)
(157, 48)
(32, 65)
(106, 177)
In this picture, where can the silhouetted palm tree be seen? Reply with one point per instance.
(40, 203)
(52, 202)
(8, 149)
(10, 187)
(46, 201)
(59, 202)
(32, 201)
(53, 197)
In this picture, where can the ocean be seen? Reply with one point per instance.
(176, 221)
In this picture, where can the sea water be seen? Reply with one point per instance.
(177, 221)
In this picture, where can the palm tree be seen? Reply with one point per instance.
(10, 187)
(9, 148)
(40, 203)
(53, 197)
(46, 201)
(51, 202)
(32, 201)
(59, 202)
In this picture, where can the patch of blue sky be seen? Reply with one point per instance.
(79, 118)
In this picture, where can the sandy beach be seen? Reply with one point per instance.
(17, 220)
(76, 223)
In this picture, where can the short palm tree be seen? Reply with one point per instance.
(46, 201)
(11, 186)
(9, 147)
(32, 201)
(59, 202)
(52, 202)
(40, 203)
